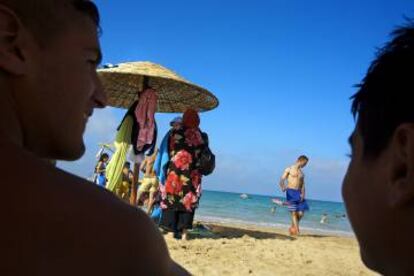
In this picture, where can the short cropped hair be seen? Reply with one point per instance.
(303, 158)
(44, 17)
(385, 96)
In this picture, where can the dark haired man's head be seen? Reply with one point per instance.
(379, 185)
(385, 96)
(46, 18)
(303, 160)
(104, 157)
(49, 51)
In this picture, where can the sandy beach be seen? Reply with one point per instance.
(247, 250)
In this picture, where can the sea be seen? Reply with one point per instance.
(259, 210)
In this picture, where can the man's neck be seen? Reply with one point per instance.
(10, 128)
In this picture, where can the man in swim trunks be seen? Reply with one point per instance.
(295, 192)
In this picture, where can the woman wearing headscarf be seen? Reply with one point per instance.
(182, 189)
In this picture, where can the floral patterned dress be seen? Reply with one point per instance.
(182, 189)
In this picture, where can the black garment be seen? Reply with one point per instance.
(176, 221)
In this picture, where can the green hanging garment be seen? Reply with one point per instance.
(122, 143)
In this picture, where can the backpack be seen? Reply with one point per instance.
(207, 162)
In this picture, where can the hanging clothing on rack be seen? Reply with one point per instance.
(145, 115)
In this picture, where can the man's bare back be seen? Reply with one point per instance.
(57, 224)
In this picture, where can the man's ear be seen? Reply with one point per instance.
(12, 40)
(401, 176)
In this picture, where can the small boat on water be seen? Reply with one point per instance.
(244, 196)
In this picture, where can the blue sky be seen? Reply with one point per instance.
(283, 71)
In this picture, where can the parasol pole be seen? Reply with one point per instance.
(133, 199)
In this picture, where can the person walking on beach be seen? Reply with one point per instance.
(295, 192)
(182, 189)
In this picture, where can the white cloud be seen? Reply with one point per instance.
(324, 177)
(102, 126)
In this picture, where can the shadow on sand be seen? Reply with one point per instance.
(211, 231)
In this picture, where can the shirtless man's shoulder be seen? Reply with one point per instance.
(54, 220)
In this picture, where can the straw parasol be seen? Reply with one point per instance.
(175, 94)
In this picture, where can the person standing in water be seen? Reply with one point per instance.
(324, 219)
(295, 192)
